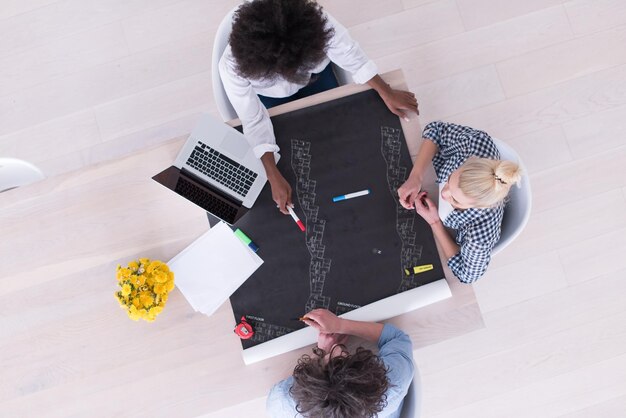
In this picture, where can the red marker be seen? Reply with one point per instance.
(295, 218)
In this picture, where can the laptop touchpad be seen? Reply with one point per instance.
(235, 144)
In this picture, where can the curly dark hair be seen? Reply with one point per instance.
(345, 386)
(272, 38)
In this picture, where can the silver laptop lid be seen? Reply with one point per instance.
(222, 157)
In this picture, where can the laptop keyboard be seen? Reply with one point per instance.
(205, 200)
(222, 169)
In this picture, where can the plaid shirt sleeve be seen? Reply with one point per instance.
(471, 262)
(477, 239)
(455, 144)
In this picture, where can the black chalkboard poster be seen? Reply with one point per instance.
(353, 252)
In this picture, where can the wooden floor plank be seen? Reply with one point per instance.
(530, 320)
(60, 57)
(479, 47)
(412, 27)
(587, 16)
(476, 13)
(584, 55)
(507, 372)
(65, 17)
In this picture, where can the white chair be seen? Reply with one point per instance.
(412, 406)
(15, 173)
(517, 209)
(219, 45)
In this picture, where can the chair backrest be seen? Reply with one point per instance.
(517, 209)
(412, 404)
(219, 45)
(15, 173)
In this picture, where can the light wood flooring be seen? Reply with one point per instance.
(83, 81)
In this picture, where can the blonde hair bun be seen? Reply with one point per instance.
(487, 182)
(509, 172)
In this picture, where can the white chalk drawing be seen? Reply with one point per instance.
(411, 252)
(265, 332)
(305, 192)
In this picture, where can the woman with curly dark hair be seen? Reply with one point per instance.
(334, 383)
(280, 50)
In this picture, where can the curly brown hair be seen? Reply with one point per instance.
(345, 386)
(279, 38)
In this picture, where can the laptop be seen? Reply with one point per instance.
(217, 170)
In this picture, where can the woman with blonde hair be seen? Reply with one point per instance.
(472, 200)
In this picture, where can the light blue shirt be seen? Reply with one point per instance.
(396, 352)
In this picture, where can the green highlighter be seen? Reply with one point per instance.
(244, 238)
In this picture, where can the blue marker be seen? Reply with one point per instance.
(244, 238)
(351, 195)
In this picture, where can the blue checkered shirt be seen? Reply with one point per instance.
(478, 229)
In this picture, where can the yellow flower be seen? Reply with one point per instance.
(126, 290)
(146, 299)
(144, 287)
(138, 280)
(160, 277)
(133, 313)
(159, 288)
(122, 274)
(154, 265)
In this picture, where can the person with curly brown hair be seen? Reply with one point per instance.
(280, 50)
(334, 383)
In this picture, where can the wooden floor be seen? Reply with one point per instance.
(86, 81)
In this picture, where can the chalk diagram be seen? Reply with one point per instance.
(305, 192)
(265, 332)
(411, 253)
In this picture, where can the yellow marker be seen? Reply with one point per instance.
(419, 269)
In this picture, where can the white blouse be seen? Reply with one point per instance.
(242, 92)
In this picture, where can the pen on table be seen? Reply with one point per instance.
(247, 241)
(351, 195)
(418, 269)
(295, 218)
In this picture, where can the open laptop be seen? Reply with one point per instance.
(217, 170)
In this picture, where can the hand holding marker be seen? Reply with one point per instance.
(295, 218)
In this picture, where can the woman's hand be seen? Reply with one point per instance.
(427, 209)
(396, 100)
(281, 191)
(399, 101)
(324, 321)
(409, 191)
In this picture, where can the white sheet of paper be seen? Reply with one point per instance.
(212, 268)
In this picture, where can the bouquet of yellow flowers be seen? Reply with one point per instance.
(144, 285)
